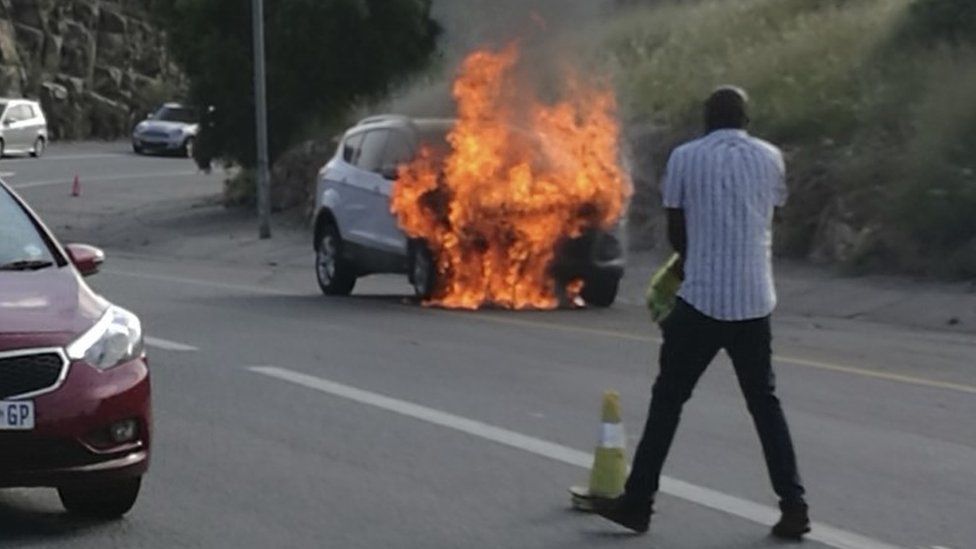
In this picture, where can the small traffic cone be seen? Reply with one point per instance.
(609, 472)
(76, 187)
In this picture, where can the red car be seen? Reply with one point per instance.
(74, 384)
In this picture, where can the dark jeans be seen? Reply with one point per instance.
(691, 341)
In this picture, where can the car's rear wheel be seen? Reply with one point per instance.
(188, 147)
(423, 271)
(38, 150)
(335, 274)
(105, 500)
(600, 290)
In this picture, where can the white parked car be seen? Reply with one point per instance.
(171, 129)
(23, 128)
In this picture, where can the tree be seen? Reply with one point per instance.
(323, 56)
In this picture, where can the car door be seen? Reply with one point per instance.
(23, 128)
(372, 226)
(12, 130)
(348, 204)
(399, 150)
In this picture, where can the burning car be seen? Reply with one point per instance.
(513, 204)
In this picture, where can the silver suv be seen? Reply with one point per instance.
(23, 127)
(171, 129)
(356, 234)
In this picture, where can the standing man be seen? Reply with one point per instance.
(720, 192)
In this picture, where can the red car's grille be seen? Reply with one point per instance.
(23, 452)
(22, 374)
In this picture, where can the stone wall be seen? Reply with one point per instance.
(97, 66)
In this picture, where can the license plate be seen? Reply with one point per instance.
(16, 415)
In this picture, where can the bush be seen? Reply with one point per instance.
(878, 124)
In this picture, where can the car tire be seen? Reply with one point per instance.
(600, 290)
(336, 276)
(187, 149)
(137, 149)
(3, 148)
(423, 269)
(38, 149)
(104, 500)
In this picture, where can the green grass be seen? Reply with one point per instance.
(874, 109)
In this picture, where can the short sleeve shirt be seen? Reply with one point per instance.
(728, 184)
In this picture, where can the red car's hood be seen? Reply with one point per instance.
(48, 307)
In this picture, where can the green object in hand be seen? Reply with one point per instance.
(662, 292)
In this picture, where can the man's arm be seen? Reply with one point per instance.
(678, 236)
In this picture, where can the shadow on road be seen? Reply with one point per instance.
(21, 521)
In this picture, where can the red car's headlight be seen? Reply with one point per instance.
(114, 339)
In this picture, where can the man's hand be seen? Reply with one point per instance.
(678, 236)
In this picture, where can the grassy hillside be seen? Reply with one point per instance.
(873, 100)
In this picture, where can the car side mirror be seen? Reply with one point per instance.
(87, 259)
(7, 123)
(390, 172)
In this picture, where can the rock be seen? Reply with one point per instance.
(31, 12)
(112, 21)
(78, 51)
(107, 81)
(8, 44)
(87, 12)
(30, 41)
(11, 80)
(74, 85)
(108, 118)
(113, 50)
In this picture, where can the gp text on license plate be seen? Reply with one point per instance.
(16, 415)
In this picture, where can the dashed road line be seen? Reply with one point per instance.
(167, 345)
(796, 361)
(706, 497)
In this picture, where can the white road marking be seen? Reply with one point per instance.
(168, 345)
(7, 174)
(742, 508)
(100, 179)
(806, 363)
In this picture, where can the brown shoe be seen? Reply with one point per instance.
(626, 513)
(793, 523)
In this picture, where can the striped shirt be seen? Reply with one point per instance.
(728, 183)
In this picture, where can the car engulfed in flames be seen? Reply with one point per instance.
(522, 182)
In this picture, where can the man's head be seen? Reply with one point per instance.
(727, 108)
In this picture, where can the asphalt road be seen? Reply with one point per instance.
(287, 419)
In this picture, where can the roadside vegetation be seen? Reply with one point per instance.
(323, 57)
(872, 100)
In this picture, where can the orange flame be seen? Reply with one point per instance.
(520, 176)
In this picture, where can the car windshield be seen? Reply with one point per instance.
(176, 114)
(21, 244)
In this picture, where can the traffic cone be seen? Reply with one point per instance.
(76, 187)
(609, 472)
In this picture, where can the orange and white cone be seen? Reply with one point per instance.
(609, 472)
(76, 186)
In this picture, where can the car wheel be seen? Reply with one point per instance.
(423, 271)
(600, 290)
(38, 150)
(3, 148)
(106, 500)
(188, 147)
(136, 149)
(335, 275)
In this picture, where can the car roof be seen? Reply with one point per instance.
(388, 121)
(16, 100)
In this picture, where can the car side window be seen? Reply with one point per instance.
(371, 157)
(398, 151)
(24, 114)
(351, 147)
(13, 114)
